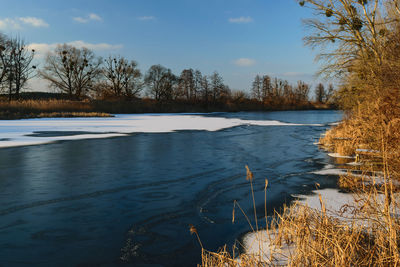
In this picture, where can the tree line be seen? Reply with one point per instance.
(80, 73)
(272, 90)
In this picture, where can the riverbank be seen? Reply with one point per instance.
(62, 107)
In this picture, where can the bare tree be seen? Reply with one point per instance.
(153, 80)
(277, 88)
(123, 77)
(320, 93)
(5, 52)
(197, 83)
(160, 82)
(217, 85)
(168, 84)
(256, 89)
(329, 93)
(187, 84)
(301, 91)
(287, 91)
(266, 87)
(72, 70)
(205, 89)
(18, 65)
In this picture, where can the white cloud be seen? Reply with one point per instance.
(90, 17)
(94, 16)
(8, 23)
(245, 62)
(96, 47)
(80, 19)
(18, 22)
(241, 20)
(34, 22)
(42, 49)
(146, 18)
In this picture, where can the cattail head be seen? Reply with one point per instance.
(192, 229)
(249, 174)
(317, 185)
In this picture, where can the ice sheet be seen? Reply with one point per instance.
(14, 132)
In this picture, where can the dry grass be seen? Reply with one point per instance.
(29, 108)
(51, 105)
(224, 258)
(341, 139)
(368, 237)
(73, 114)
(17, 109)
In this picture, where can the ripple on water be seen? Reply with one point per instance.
(156, 195)
(56, 235)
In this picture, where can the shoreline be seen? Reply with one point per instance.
(60, 114)
(16, 116)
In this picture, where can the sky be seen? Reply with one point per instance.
(237, 38)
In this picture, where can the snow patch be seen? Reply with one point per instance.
(329, 169)
(337, 155)
(354, 163)
(376, 178)
(260, 242)
(333, 200)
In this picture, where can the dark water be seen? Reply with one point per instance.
(129, 200)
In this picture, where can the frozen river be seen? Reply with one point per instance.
(72, 197)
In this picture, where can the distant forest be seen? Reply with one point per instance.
(79, 74)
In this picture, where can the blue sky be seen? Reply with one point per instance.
(237, 38)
